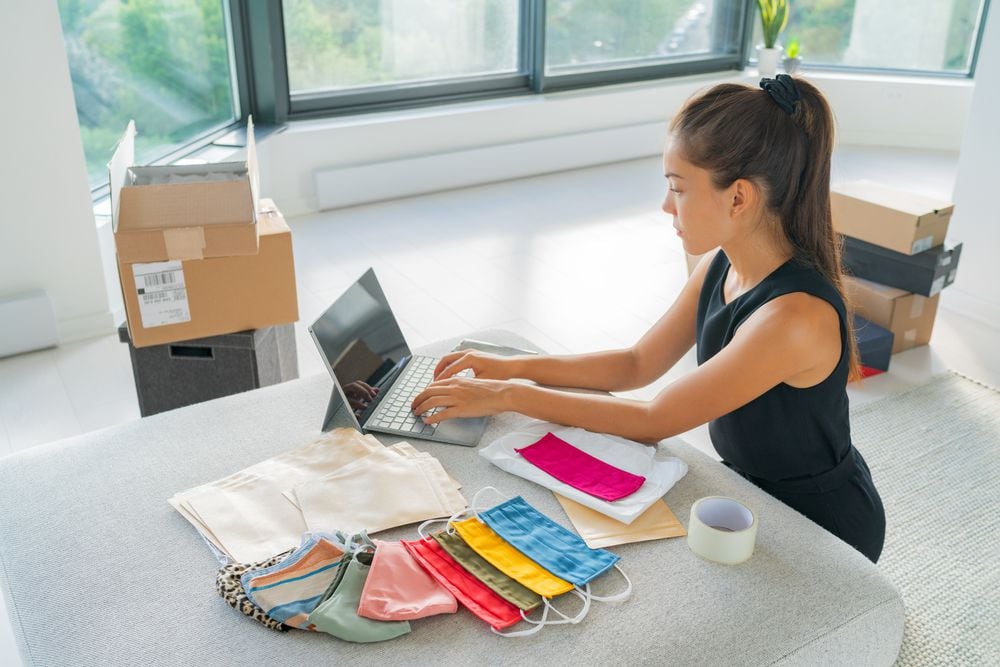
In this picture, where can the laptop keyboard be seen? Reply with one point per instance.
(394, 413)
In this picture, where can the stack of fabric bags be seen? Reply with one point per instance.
(500, 563)
(342, 481)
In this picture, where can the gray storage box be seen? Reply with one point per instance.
(187, 372)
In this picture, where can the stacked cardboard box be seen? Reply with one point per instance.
(198, 253)
(897, 261)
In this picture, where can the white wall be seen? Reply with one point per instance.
(976, 221)
(879, 110)
(47, 235)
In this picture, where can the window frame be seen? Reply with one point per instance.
(258, 64)
(262, 28)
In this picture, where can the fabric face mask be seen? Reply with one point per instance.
(290, 590)
(472, 593)
(580, 470)
(481, 569)
(228, 585)
(337, 615)
(398, 589)
(509, 560)
(547, 543)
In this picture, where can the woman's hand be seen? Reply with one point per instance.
(462, 397)
(484, 365)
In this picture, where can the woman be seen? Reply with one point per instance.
(748, 173)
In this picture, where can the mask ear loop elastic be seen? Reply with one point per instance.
(472, 510)
(543, 622)
(475, 507)
(617, 597)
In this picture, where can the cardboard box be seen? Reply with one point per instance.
(925, 273)
(181, 212)
(902, 221)
(183, 299)
(874, 344)
(910, 317)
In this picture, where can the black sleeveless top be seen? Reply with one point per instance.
(786, 433)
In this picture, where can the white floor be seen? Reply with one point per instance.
(575, 261)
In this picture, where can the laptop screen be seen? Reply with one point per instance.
(361, 343)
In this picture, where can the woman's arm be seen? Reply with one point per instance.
(612, 370)
(778, 342)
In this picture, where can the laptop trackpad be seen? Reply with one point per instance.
(461, 430)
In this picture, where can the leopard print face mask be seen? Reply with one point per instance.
(228, 584)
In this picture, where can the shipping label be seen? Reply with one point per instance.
(162, 293)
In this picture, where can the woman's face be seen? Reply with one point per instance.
(702, 213)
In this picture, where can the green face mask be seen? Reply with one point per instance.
(337, 615)
(480, 568)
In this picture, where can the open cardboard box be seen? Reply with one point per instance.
(181, 212)
(178, 300)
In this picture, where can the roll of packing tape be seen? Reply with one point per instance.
(722, 530)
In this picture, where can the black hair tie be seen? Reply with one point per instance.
(783, 91)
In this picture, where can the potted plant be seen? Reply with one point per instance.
(773, 17)
(792, 59)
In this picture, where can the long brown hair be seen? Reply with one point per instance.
(737, 131)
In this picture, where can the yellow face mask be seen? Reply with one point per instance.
(501, 555)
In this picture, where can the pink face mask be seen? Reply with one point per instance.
(398, 589)
(581, 470)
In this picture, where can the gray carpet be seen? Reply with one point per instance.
(934, 453)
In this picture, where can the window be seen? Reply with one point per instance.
(164, 64)
(186, 69)
(343, 55)
(935, 36)
(343, 45)
(583, 35)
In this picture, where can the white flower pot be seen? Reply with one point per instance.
(767, 61)
(791, 65)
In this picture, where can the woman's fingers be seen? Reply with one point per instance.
(454, 368)
(433, 402)
(446, 361)
(433, 389)
(447, 413)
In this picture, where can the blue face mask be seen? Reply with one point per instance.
(547, 543)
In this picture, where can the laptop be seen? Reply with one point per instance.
(375, 375)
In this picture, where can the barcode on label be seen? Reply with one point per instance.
(162, 293)
(158, 279)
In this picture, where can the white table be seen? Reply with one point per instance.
(97, 568)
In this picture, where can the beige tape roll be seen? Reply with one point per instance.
(722, 530)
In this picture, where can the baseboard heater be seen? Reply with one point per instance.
(337, 187)
(28, 323)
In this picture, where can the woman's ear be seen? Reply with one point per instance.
(744, 198)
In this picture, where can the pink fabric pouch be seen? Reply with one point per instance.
(581, 470)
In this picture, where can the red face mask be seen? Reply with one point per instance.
(471, 592)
